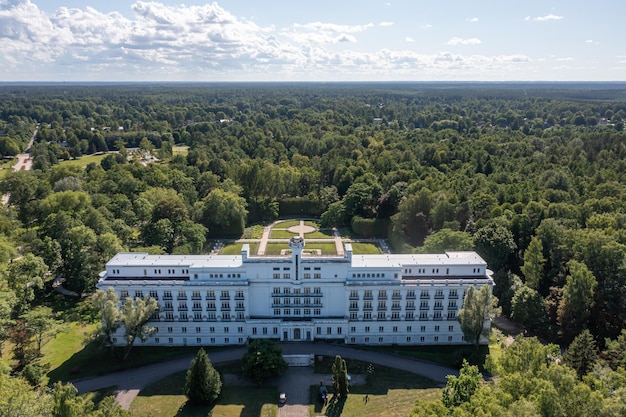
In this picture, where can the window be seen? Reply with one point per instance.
(184, 330)
(154, 294)
(436, 338)
(317, 275)
(352, 329)
(425, 294)
(367, 329)
(368, 294)
(329, 330)
(408, 339)
(367, 315)
(225, 294)
(276, 275)
(436, 328)
(381, 315)
(380, 340)
(317, 311)
(170, 329)
(198, 329)
(277, 311)
(318, 330)
(287, 276)
(409, 328)
(124, 294)
(265, 330)
(254, 330)
(421, 338)
(382, 294)
(210, 294)
(307, 275)
(450, 328)
(198, 341)
(381, 329)
(353, 315)
(338, 330)
(382, 305)
(354, 294)
(226, 329)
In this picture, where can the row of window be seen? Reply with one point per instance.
(182, 295)
(296, 291)
(395, 329)
(397, 294)
(408, 315)
(198, 316)
(409, 339)
(368, 275)
(297, 312)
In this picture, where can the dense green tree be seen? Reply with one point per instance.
(446, 240)
(223, 213)
(614, 353)
(107, 305)
(41, 323)
(479, 306)
(262, 360)
(459, 390)
(575, 306)
(581, 354)
(24, 277)
(340, 377)
(494, 242)
(529, 308)
(203, 383)
(533, 264)
(19, 399)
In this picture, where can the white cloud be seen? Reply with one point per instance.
(546, 17)
(426, 26)
(568, 58)
(206, 42)
(461, 41)
(384, 24)
(472, 19)
(320, 33)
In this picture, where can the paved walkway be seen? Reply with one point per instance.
(130, 382)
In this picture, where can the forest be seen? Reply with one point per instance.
(530, 175)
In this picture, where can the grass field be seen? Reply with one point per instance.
(327, 248)
(83, 161)
(286, 224)
(166, 399)
(365, 249)
(235, 248)
(320, 234)
(281, 234)
(390, 392)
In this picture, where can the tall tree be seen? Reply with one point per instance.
(479, 306)
(575, 305)
(24, 276)
(107, 304)
(203, 383)
(533, 263)
(41, 324)
(529, 308)
(135, 315)
(581, 354)
(340, 376)
(495, 243)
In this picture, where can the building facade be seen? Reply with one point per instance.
(403, 299)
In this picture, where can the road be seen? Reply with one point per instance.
(23, 161)
(131, 381)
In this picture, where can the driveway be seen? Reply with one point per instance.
(131, 381)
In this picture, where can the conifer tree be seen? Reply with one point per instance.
(203, 383)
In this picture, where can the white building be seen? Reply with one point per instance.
(357, 299)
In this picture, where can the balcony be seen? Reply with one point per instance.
(425, 297)
(410, 297)
(424, 308)
(167, 297)
(439, 297)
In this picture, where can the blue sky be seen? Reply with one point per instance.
(321, 40)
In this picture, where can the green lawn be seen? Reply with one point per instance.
(327, 248)
(253, 232)
(235, 248)
(83, 161)
(281, 234)
(166, 399)
(312, 223)
(287, 223)
(320, 234)
(275, 248)
(365, 249)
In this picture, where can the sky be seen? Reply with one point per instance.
(306, 40)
